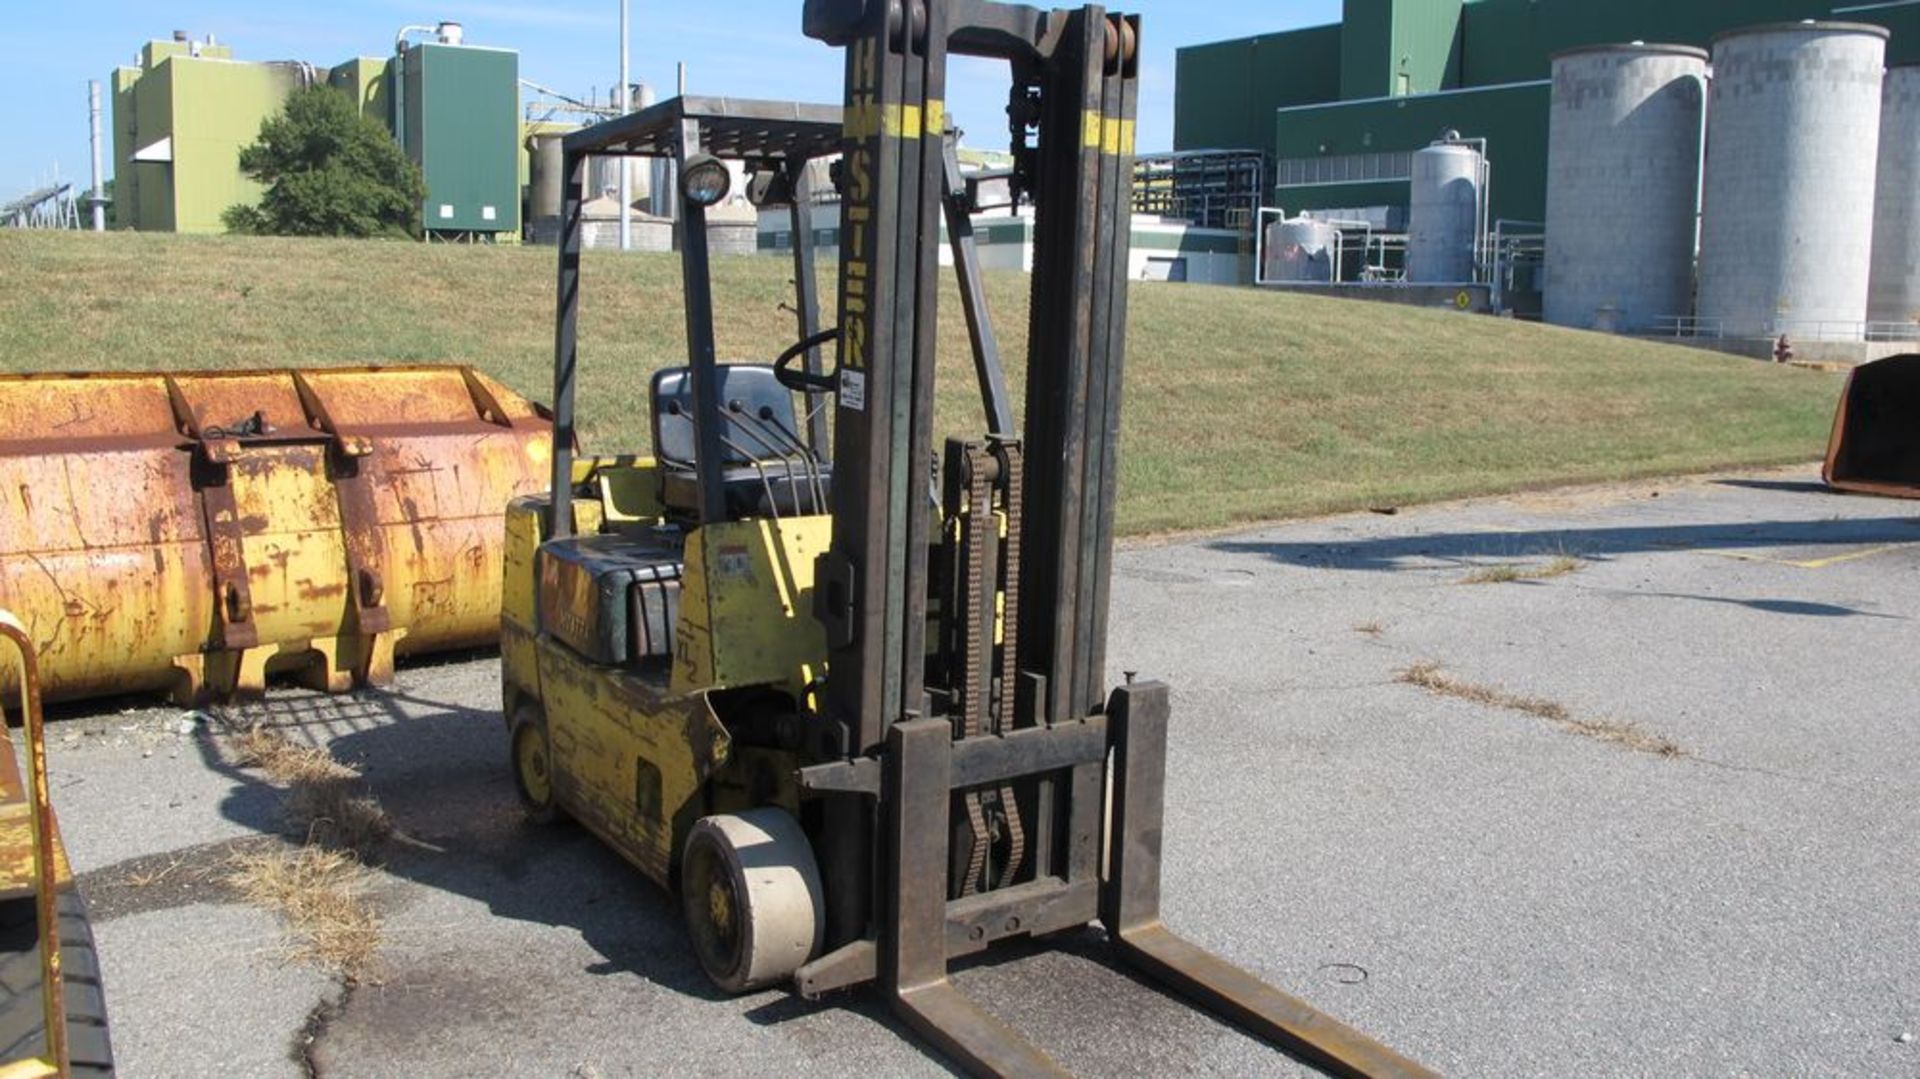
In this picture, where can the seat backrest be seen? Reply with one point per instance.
(753, 385)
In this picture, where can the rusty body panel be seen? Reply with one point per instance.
(193, 531)
(1875, 447)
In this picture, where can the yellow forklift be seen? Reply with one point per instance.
(53, 1018)
(847, 698)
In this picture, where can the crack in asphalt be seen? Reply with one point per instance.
(305, 1051)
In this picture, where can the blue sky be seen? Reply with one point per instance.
(747, 48)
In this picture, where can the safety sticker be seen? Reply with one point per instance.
(853, 390)
(734, 563)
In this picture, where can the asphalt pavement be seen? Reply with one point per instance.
(1504, 881)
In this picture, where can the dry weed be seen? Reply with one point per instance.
(324, 797)
(1506, 574)
(268, 750)
(1430, 677)
(320, 887)
(322, 895)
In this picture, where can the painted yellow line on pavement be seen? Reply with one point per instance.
(1812, 563)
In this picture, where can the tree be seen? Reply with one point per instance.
(329, 171)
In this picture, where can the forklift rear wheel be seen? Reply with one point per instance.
(533, 765)
(752, 897)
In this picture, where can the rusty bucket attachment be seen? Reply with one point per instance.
(1876, 433)
(196, 532)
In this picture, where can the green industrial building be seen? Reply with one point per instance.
(1339, 110)
(179, 121)
(181, 118)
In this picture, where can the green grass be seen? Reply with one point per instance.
(1241, 406)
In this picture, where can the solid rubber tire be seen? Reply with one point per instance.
(528, 722)
(776, 887)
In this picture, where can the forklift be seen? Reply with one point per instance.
(845, 697)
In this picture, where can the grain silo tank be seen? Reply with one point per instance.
(1894, 294)
(544, 181)
(1793, 134)
(1300, 249)
(1444, 217)
(1623, 184)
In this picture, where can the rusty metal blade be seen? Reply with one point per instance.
(1875, 447)
(1263, 1010)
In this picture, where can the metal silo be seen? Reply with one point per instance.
(1895, 292)
(1446, 216)
(545, 182)
(1623, 185)
(1300, 249)
(1792, 140)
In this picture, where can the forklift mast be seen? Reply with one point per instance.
(968, 798)
(1071, 114)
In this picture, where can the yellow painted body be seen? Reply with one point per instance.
(109, 530)
(639, 754)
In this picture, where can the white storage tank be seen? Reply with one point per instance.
(1443, 218)
(544, 183)
(1623, 184)
(1793, 134)
(1894, 294)
(1300, 249)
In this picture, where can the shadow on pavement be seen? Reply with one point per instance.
(440, 772)
(1799, 487)
(1801, 608)
(1395, 552)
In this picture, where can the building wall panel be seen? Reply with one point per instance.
(1225, 93)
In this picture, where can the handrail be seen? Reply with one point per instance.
(1802, 329)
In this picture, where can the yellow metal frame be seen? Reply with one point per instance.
(46, 862)
(746, 606)
(638, 756)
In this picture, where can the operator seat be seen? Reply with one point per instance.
(765, 471)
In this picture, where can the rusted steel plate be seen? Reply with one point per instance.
(1875, 448)
(198, 531)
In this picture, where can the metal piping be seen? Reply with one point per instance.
(626, 106)
(1700, 166)
(99, 197)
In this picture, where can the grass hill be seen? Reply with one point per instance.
(1241, 405)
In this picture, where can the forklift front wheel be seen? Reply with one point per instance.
(752, 897)
(533, 765)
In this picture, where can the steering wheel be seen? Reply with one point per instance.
(802, 381)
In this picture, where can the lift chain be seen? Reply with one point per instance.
(1012, 471)
(976, 632)
(1007, 451)
(984, 471)
(976, 637)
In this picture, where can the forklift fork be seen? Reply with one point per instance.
(924, 765)
(1130, 909)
